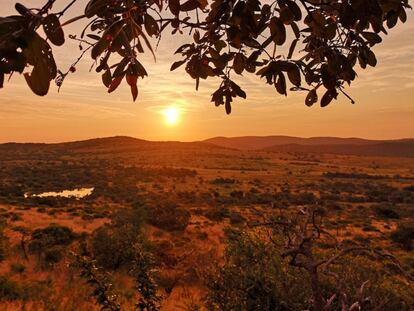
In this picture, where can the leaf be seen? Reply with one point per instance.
(371, 59)
(95, 6)
(151, 25)
(228, 104)
(277, 31)
(38, 80)
(326, 98)
(372, 38)
(131, 79)
(177, 64)
(134, 92)
(108, 36)
(174, 6)
(39, 54)
(196, 36)
(189, 5)
(238, 63)
(139, 32)
(107, 78)
(286, 15)
(281, 84)
(294, 75)
(53, 29)
(92, 36)
(295, 9)
(21, 9)
(311, 98)
(292, 48)
(115, 83)
(236, 89)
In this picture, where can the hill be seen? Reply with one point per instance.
(260, 142)
(335, 145)
(106, 145)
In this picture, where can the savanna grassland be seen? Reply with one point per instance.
(203, 221)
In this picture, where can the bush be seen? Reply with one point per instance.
(168, 216)
(50, 242)
(404, 236)
(386, 211)
(52, 235)
(236, 218)
(17, 268)
(217, 214)
(3, 241)
(9, 290)
(255, 277)
(112, 245)
(54, 254)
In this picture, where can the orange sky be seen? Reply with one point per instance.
(83, 108)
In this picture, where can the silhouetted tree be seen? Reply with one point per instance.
(322, 41)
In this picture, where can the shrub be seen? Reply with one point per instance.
(217, 214)
(168, 216)
(252, 278)
(3, 240)
(112, 244)
(255, 276)
(50, 242)
(54, 254)
(17, 268)
(236, 218)
(404, 236)
(386, 211)
(9, 290)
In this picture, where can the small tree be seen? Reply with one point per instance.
(285, 269)
(142, 271)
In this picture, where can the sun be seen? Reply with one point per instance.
(171, 115)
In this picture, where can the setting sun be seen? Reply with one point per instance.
(171, 115)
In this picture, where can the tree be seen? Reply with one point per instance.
(297, 264)
(324, 40)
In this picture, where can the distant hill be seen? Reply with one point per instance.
(124, 144)
(336, 145)
(117, 144)
(260, 142)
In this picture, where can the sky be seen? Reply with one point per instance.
(83, 109)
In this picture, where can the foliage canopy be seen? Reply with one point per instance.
(297, 45)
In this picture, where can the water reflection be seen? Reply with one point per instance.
(75, 193)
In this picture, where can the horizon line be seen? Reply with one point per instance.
(199, 140)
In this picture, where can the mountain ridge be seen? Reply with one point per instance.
(276, 143)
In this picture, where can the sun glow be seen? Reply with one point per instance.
(171, 115)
